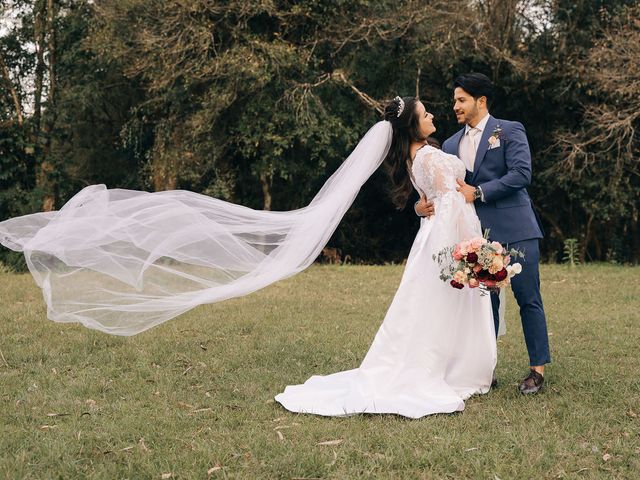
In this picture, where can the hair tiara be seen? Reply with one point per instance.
(400, 107)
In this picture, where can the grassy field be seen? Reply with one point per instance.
(193, 398)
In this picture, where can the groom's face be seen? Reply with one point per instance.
(465, 106)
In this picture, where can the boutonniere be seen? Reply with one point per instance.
(494, 139)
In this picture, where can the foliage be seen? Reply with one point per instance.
(17, 193)
(593, 164)
(571, 253)
(259, 102)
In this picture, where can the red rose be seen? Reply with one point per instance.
(492, 277)
(457, 285)
(472, 257)
(483, 274)
(501, 275)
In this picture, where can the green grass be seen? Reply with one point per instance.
(195, 395)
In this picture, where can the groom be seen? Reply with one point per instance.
(498, 161)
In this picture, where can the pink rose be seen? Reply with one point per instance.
(473, 283)
(507, 260)
(457, 254)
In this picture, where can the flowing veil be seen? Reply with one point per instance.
(123, 261)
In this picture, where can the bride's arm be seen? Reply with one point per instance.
(424, 206)
(439, 176)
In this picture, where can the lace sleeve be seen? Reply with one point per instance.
(413, 180)
(435, 173)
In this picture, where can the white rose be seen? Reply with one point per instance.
(516, 268)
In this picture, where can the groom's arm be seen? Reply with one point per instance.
(424, 207)
(518, 159)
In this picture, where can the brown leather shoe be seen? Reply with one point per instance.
(532, 384)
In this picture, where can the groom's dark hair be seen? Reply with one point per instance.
(475, 84)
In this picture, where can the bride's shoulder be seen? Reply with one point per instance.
(430, 154)
(425, 151)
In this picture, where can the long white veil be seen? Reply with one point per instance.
(123, 261)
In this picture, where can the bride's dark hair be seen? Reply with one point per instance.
(406, 129)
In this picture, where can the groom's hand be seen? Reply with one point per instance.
(467, 190)
(423, 207)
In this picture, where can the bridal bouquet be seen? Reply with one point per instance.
(478, 263)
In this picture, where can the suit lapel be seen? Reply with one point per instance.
(484, 145)
(456, 142)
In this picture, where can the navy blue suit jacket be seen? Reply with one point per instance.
(503, 173)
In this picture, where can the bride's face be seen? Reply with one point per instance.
(425, 120)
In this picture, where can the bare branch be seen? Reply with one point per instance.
(363, 97)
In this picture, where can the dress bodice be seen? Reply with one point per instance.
(436, 346)
(435, 172)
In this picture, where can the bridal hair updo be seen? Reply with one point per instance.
(401, 113)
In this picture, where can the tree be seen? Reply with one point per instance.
(258, 102)
(599, 164)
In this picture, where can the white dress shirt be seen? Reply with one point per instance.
(470, 141)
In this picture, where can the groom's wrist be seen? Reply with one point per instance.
(478, 194)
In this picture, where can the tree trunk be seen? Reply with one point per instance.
(635, 237)
(164, 175)
(12, 90)
(587, 240)
(52, 44)
(46, 166)
(597, 245)
(39, 41)
(636, 243)
(554, 224)
(265, 181)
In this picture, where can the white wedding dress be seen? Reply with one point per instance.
(123, 261)
(436, 346)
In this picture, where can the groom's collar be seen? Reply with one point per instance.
(482, 124)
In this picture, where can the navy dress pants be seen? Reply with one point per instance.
(526, 289)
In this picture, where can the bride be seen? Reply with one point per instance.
(123, 261)
(436, 346)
